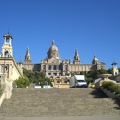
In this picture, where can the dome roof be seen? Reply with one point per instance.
(95, 60)
(53, 47)
(53, 51)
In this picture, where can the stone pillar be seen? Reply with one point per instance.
(51, 67)
(3, 77)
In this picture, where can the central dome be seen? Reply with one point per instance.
(53, 51)
(53, 47)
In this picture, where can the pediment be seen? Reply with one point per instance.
(53, 60)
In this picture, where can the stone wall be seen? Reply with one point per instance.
(6, 86)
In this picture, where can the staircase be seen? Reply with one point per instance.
(58, 102)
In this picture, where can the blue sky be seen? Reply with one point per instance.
(91, 26)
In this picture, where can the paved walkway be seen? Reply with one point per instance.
(98, 117)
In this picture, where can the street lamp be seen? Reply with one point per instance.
(6, 53)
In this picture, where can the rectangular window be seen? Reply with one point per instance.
(59, 67)
(49, 67)
(54, 67)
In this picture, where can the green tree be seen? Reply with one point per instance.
(109, 71)
(22, 82)
(102, 71)
(92, 75)
(37, 77)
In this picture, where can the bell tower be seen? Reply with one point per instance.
(27, 57)
(7, 50)
(115, 69)
(76, 58)
(8, 66)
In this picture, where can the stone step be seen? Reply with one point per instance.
(58, 102)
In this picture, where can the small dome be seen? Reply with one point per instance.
(95, 60)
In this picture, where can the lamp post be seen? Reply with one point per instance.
(4, 61)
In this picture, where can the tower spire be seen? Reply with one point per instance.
(27, 56)
(53, 42)
(76, 57)
(95, 60)
(28, 51)
(76, 52)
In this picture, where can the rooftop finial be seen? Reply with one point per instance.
(53, 42)
(28, 52)
(94, 56)
(76, 51)
(8, 30)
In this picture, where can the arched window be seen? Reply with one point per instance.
(6, 54)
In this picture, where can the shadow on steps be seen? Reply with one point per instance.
(117, 101)
(98, 93)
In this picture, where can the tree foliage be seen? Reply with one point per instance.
(22, 82)
(37, 77)
(110, 71)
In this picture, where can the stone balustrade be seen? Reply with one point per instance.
(6, 87)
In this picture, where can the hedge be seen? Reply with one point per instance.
(112, 87)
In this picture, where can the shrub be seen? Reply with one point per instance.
(117, 90)
(110, 86)
(107, 84)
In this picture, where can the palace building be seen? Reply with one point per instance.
(54, 67)
(59, 71)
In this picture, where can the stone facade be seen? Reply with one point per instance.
(8, 64)
(9, 70)
(54, 67)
